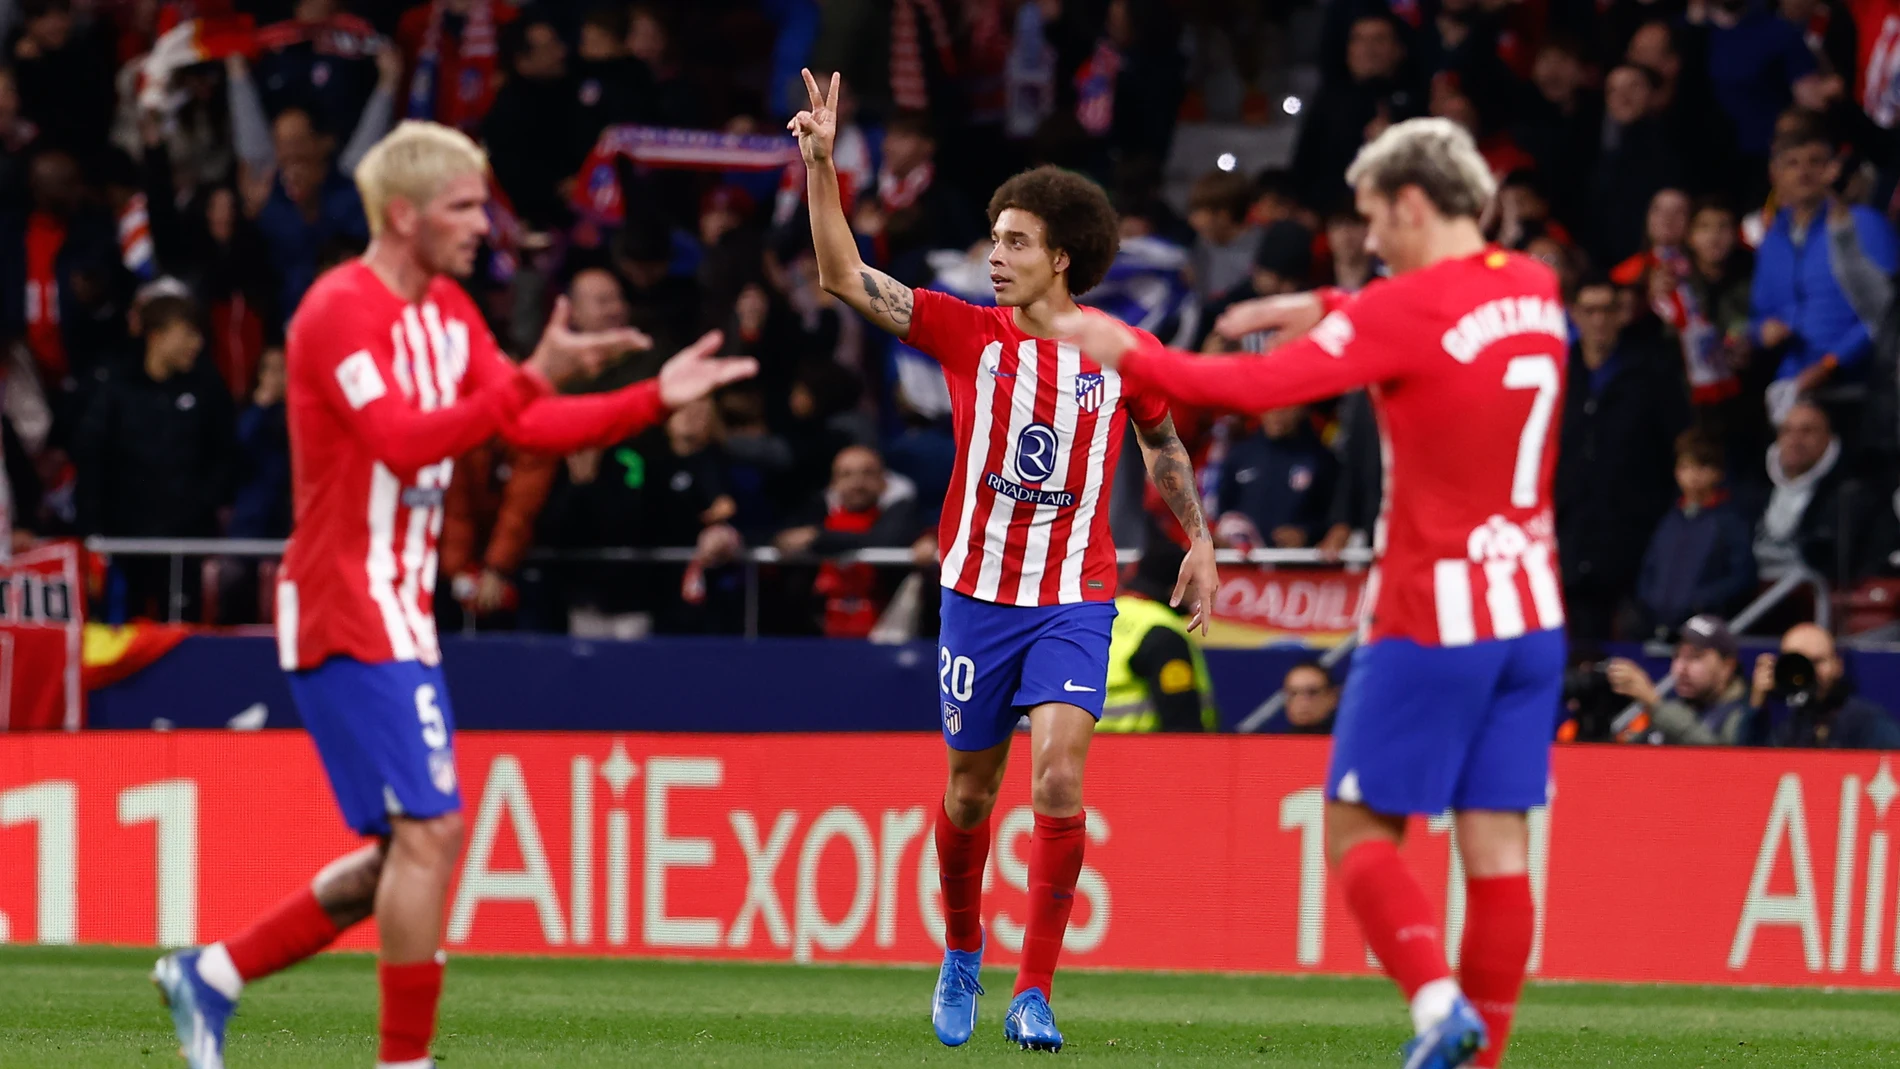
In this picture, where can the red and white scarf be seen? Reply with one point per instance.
(909, 90)
(471, 68)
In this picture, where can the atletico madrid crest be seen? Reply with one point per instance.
(1091, 389)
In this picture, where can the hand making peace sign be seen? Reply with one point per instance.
(817, 126)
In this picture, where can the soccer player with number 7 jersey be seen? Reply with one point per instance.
(1453, 695)
(1028, 564)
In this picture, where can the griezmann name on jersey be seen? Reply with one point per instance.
(1038, 428)
(1465, 362)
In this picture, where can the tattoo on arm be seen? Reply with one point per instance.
(1173, 474)
(887, 301)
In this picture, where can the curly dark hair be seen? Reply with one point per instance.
(1076, 214)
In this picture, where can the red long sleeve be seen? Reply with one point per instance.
(405, 439)
(1358, 343)
(561, 425)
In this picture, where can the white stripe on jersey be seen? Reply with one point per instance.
(1385, 490)
(1501, 600)
(458, 350)
(433, 559)
(1022, 410)
(444, 376)
(1451, 593)
(957, 553)
(287, 623)
(415, 551)
(1546, 596)
(1068, 413)
(385, 493)
(401, 362)
(1084, 521)
(419, 348)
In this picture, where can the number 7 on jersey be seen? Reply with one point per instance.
(1532, 373)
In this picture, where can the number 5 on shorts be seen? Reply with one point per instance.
(435, 732)
(956, 676)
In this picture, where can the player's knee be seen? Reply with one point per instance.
(1057, 788)
(969, 799)
(436, 839)
(1347, 826)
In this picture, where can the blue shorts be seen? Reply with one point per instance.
(996, 662)
(385, 734)
(1423, 729)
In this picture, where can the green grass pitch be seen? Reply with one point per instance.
(92, 1007)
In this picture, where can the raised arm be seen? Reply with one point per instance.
(841, 271)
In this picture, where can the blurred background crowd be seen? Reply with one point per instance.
(1715, 182)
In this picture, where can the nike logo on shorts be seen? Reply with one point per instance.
(1070, 686)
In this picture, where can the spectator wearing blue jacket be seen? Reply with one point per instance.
(1702, 558)
(1820, 269)
(1276, 485)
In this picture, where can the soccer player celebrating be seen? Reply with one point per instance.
(1451, 698)
(1028, 564)
(392, 373)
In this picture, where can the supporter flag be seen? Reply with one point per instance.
(111, 654)
(192, 41)
(41, 605)
(597, 194)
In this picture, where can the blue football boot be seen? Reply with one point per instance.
(199, 1011)
(1031, 1025)
(1450, 1043)
(953, 1007)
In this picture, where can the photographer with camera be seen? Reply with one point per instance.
(1810, 682)
(1709, 706)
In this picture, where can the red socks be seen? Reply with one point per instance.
(292, 931)
(1393, 913)
(1500, 922)
(961, 856)
(1055, 860)
(410, 993)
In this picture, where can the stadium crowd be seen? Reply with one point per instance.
(1714, 181)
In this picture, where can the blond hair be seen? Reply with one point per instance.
(1436, 155)
(414, 161)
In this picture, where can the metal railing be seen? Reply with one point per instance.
(1783, 587)
(750, 560)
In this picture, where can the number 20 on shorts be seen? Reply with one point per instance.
(956, 676)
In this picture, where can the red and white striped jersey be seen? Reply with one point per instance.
(382, 395)
(1465, 363)
(1038, 429)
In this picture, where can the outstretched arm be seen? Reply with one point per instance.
(1347, 349)
(562, 425)
(873, 294)
(1173, 474)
